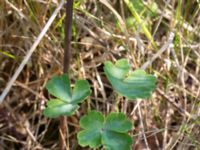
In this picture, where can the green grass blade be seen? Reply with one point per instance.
(140, 21)
(7, 54)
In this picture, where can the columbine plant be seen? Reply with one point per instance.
(66, 102)
(128, 83)
(111, 131)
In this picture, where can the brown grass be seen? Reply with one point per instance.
(168, 120)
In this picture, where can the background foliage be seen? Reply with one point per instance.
(135, 30)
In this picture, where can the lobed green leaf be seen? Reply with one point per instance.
(117, 122)
(110, 131)
(59, 86)
(80, 91)
(131, 84)
(116, 141)
(58, 107)
(65, 103)
(91, 137)
(93, 119)
(119, 71)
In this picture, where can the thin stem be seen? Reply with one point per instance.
(66, 64)
(67, 42)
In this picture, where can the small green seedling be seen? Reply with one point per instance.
(110, 131)
(98, 130)
(66, 102)
(131, 84)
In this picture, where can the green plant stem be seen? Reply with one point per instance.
(66, 64)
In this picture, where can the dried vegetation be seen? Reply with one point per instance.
(102, 30)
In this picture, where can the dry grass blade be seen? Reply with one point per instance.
(101, 30)
(32, 49)
(163, 48)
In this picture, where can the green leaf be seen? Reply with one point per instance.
(80, 91)
(131, 84)
(59, 86)
(92, 123)
(91, 137)
(65, 103)
(94, 119)
(116, 141)
(110, 131)
(118, 122)
(119, 70)
(56, 107)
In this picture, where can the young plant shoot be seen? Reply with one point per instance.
(98, 130)
(112, 131)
